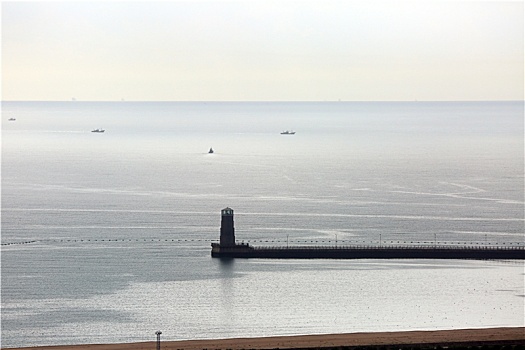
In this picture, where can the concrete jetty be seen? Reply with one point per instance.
(228, 248)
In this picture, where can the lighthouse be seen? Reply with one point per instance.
(227, 248)
(227, 229)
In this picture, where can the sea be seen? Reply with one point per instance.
(106, 237)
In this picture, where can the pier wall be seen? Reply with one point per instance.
(228, 248)
(364, 252)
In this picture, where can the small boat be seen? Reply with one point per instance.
(11, 119)
(211, 150)
(288, 132)
(98, 130)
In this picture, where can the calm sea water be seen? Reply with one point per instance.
(106, 236)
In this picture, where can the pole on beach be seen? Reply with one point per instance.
(158, 333)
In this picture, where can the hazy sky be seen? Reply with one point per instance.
(263, 50)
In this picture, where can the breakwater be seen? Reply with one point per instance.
(368, 252)
(229, 248)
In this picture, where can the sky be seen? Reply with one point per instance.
(262, 50)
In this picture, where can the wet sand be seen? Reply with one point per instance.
(467, 336)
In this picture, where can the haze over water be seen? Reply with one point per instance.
(120, 223)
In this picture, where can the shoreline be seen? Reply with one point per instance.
(456, 337)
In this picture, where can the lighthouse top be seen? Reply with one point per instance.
(227, 211)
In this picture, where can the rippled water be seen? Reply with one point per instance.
(120, 223)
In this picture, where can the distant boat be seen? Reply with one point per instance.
(288, 132)
(11, 119)
(211, 150)
(98, 130)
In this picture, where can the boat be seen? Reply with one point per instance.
(11, 119)
(98, 130)
(211, 150)
(288, 132)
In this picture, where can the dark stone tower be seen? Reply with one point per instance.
(227, 229)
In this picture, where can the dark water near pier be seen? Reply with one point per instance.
(120, 223)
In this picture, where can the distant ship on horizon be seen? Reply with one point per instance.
(98, 130)
(288, 132)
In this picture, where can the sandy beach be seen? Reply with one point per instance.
(467, 336)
